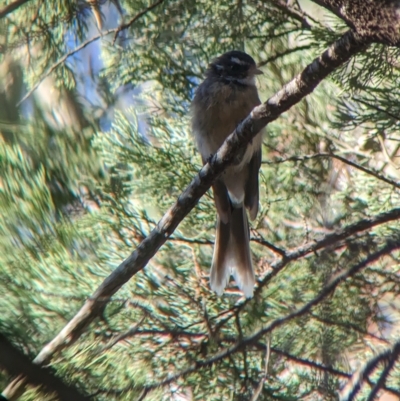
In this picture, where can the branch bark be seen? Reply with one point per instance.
(351, 389)
(365, 170)
(16, 363)
(253, 339)
(377, 20)
(8, 9)
(303, 84)
(77, 49)
(312, 247)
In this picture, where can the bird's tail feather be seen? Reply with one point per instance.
(232, 254)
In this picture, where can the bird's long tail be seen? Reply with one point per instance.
(232, 254)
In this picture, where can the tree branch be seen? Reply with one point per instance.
(77, 49)
(282, 54)
(342, 159)
(9, 8)
(253, 339)
(302, 85)
(351, 389)
(379, 23)
(312, 247)
(394, 355)
(16, 363)
(293, 13)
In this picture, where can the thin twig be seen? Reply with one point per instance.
(135, 18)
(260, 386)
(334, 156)
(349, 326)
(282, 54)
(293, 92)
(130, 333)
(377, 108)
(351, 389)
(382, 379)
(295, 14)
(248, 341)
(77, 49)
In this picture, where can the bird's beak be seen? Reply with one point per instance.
(258, 72)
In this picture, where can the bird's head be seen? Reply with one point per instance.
(234, 66)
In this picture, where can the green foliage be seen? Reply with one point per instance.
(77, 199)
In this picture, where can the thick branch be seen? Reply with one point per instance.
(16, 363)
(9, 8)
(302, 85)
(376, 20)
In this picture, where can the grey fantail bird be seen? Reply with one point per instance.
(225, 98)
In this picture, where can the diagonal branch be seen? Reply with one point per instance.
(302, 85)
(393, 356)
(282, 54)
(312, 247)
(298, 15)
(77, 49)
(16, 363)
(351, 389)
(253, 339)
(9, 8)
(365, 170)
(381, 24)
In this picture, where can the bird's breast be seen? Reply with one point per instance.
(217, 110)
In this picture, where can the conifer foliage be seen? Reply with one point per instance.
(107, 227)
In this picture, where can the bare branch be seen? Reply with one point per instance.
(282, 54)
(131, 332)
(342, 159)
(298, 15)
(394, 355)
(351, 389)
(302, 85)
(135, 18)
(16, 363)
(251, 340)
(77, 49)
(9, 8)
(260, 386)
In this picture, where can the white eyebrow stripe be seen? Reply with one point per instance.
(238, 61)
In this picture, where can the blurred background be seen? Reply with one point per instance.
(95, 146)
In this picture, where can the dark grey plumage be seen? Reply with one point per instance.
(222, 101)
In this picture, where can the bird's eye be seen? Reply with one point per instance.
(235, 67)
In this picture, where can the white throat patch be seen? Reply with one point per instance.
(250, 80)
